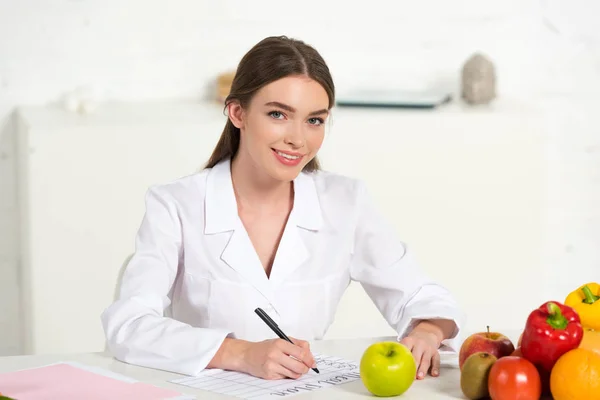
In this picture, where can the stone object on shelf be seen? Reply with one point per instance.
(478, 80)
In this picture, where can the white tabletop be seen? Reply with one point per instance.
(444, 387)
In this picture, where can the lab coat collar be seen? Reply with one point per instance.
(220, 209)
(221, 214)
(307, 210)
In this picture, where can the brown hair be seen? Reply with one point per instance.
(270, 59)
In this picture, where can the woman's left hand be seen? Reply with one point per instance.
(424, 347)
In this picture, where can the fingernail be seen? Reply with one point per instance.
(435, 371)
(420, 374)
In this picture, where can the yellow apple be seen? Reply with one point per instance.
(387, 369)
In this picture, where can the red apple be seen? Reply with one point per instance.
(489, 342)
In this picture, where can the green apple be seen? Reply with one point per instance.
(387, 369)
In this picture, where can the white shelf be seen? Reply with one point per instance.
(464, 186)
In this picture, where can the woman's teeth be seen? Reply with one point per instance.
(288, 156)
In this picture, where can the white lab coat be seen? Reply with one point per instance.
(195, 278)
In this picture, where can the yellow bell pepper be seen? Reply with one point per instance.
(586, 302)
(591, 340)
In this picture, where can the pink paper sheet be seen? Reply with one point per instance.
(66, 382)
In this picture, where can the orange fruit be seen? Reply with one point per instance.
(576, 376)
(591, 340)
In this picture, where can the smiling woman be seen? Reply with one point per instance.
(285, 80)
(263, 226)
(285, 119)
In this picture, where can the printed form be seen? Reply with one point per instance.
(333, 371)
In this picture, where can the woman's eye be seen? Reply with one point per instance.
(315, 121)
(276, 114)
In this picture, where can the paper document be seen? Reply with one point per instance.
(77, 381)
(334, 371)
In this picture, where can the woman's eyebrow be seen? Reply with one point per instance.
(293, 110)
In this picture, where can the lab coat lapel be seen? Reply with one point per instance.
(221, 217)
(305, 218)
(240, 255)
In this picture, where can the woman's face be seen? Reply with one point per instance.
(282, 128)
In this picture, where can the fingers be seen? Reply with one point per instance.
(418, 353)
(435, 364)
(292, 364)
(421, 355)
(274, 370)
(417, 349)
(426, 358)
(301, 343)
(301, 354)
(279, 364)
(424, 365)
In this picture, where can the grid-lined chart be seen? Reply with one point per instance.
(333, 371)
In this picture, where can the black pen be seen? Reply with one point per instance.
(265, 317)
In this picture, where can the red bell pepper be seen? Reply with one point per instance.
(550, 331)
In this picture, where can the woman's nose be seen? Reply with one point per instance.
(295, 137)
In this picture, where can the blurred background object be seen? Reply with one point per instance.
(224, 81)
(478, 80)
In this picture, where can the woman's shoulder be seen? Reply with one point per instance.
(336, 185)
(181, 189)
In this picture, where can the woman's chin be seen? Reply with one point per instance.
(286, 173)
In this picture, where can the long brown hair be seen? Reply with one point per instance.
(270, 59)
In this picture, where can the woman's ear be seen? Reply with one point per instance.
(236, 114)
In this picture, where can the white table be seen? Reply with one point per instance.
(444, 387)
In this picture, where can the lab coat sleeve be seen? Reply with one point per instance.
(389, 274)
(136, 328)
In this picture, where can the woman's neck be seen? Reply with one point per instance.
(257, 191)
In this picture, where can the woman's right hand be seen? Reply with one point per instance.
(277, 359)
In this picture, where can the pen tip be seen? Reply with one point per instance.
(316, 370)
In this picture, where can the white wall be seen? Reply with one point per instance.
(150, 49)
